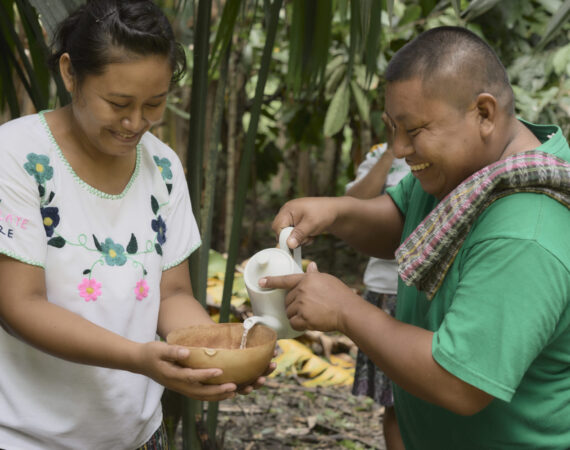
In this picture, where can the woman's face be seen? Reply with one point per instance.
(113, 110)
(441, 143)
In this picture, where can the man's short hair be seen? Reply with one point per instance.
(452, 62)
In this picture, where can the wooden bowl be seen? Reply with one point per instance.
(218, 346)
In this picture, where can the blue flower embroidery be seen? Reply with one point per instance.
(114, 253)
(50, 217)
(159, 226)
(164, 167)
(38, 166)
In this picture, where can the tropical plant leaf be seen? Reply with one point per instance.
(456, 7)
(477, 8)
(390, 10)
(331, 376)
(338, 111)
(52, 12)
(555, 24)
(361, 102)
(296, 358)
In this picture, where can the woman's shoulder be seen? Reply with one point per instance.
(22, 137)
(161, 153)
(21, 128)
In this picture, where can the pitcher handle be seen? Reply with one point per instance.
(283, 236)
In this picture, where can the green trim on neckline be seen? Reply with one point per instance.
(82, 183)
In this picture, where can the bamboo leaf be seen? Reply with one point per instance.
(36, 45)
(338, 111)
(309, 42)
(373, 38)
(7, 88)
(247, 155)
(225, 32)
(19, 56)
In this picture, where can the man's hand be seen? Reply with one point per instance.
(315, 301)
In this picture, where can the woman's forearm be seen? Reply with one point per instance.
(66, 335)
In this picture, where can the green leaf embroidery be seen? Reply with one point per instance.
(154, 204)
(57, 242)
(86, 271)
(169, 188)
(42, 190)
(133, 245)
(97, 244)
(158, 249)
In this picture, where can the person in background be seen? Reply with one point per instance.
(378, 171)
(96, 227)
(479, 350)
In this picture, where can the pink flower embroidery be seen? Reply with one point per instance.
(89, 289)
(141, 289)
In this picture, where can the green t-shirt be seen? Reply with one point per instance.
(501, 322)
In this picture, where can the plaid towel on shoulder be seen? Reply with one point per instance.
(427, 254)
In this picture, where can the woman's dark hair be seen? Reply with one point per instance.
(137, 26)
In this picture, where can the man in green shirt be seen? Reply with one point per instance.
(480, 347)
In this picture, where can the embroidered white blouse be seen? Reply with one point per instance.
(103, 257)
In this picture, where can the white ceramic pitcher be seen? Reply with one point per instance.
(269, 304)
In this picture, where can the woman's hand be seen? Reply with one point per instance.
(159, 361)
(245, 390)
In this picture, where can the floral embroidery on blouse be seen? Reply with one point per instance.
(50, 217)
(164, 167)
(38, 166)
(89, 289)
(141, 289)
(111, 253)
(114, 253)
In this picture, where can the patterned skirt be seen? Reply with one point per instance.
(158, 441)
(368, 379)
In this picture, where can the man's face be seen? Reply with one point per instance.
(440, 142)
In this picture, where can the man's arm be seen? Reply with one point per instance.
(373, 226)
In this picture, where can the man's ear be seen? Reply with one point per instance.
(487, 110)
(66, 71)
